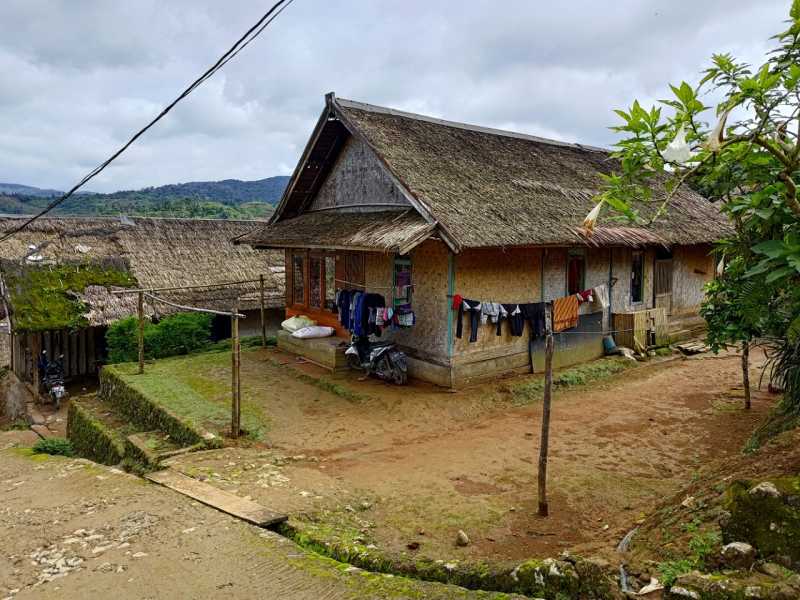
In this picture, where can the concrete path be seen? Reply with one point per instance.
(72, 529)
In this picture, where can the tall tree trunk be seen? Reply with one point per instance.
(545, 437)
(746, 373)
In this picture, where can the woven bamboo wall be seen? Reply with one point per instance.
(693, 267)
(632, 328)
(429, 275)
(621, 292)
(498, 276)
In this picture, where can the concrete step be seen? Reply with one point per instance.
(231, 504)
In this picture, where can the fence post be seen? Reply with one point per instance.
(141, 332)
(263, 320)
(548, 390)
(235, 382)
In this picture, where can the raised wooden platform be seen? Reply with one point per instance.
(325, 352)
(238, 507)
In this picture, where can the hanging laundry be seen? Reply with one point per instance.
(601, 296)
(490, 311)
(516, 321)
(473, 307)
(565, 313)
(585, 296)
(501, 317)
(534, 313)
(457, 300)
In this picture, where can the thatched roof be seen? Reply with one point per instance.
(484, 187)
(387, 231)
(154, 252)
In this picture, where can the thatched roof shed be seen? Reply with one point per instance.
(474, 186)
(83, 259)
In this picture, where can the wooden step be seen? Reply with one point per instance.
(234, 505)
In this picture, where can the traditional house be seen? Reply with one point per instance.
(58, 275)
(381, 196)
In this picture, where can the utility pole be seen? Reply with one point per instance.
(235, 382)
(548, 391)
(263, 321)
(141, 332)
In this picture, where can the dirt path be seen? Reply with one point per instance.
(71, 529)
(437, 462)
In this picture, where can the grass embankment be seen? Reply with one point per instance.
(197, 388)
(532, 390)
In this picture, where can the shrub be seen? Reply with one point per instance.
(175, 334)
(57, 446)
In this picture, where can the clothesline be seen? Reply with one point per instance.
(361, 285)
(372, 287)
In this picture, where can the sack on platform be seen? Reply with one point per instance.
(313, 331)
(294, 323)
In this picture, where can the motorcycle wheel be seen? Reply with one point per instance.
(353, 362)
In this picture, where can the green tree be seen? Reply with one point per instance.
(742, 151)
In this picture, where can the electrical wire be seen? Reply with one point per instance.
(251, 34)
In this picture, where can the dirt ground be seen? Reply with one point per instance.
(406, 468)
(72, 529)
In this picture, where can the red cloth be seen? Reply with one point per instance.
(585, 296)
(457, 300)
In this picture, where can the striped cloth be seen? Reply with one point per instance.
(565, 313)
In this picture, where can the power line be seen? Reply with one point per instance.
(240, 44)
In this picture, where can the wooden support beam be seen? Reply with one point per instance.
(235, 382)
(263, 317)
(545, 436)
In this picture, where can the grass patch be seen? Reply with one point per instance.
(15, 425)
(584, 374)
(781, 418)
(197, 389)
(54, 446)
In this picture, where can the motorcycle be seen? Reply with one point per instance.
(381, 359)
(53, 379)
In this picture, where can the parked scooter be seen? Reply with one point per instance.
(53, 378)
(381, 359)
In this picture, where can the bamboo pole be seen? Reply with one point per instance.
(141, 332)
(263, 319)
(746, 373)
(545, 437)
(235, 381)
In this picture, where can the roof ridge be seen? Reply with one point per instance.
(345, 103)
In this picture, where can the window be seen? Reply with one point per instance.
(330, 283)
(298, 279)
(403, 287)
(637, 277)
(315, 279)
(576, 272)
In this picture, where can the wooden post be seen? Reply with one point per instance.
(263, 319)
(36, 353)
(141, 333)
(235, 383)
(545, 437)
(746, 373)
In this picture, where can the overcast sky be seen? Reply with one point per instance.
(80, 76)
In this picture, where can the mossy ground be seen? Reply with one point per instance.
(40, 294)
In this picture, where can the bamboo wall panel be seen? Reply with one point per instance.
(693, 267)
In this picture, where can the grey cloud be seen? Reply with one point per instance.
(80, 76)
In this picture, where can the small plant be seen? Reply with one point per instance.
(55, 446)
(672, 569)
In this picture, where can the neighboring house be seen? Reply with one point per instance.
(481, 213)
(58, 274)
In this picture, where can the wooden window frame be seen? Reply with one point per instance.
(575, 253)
(634, 254)
(307, 255)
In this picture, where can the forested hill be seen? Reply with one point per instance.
(227, 199)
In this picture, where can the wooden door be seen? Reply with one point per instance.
(662, 288)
